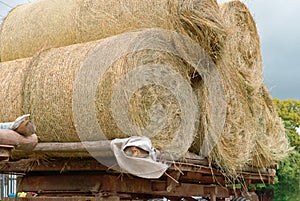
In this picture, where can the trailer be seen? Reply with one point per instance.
(86, 179)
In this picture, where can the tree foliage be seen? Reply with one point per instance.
(288, 175)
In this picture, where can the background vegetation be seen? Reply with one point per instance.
(287, 187)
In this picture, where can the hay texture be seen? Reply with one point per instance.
(236, 142)
(72, 96)
(57, 74)
(48, 91)
(250, 120)
(242, 43)
(234, 145)
(12, 79)
(35, 26)
(32, 27)
(272, 144)
(243, 51)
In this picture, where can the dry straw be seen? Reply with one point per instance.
(46, 23)
(236, 143)
(144, 98)
(250, 122)
(242, 43)
(272, 144)
(35, 26)
(252, 134)
(48, 91)
(11, 84)
(53, 75)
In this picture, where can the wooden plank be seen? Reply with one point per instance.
(188, 172)
(67, 184)
(102, 149)
(67, 150)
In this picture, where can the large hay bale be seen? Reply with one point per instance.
(240, 67)
(69, 93)
(12, 78)
(249, 123)
(272, 143)
(32, 27)
(242, 43)
(236, 142)
(144, 98)
(48, 91)
(35, 26)
(63, 86)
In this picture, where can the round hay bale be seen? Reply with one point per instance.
(240, 68)
(35, 26)
(241, 76)
(272, 143)
(48, 91)
(268, 141)
(32, 27)
(236, 142)
(145, 90)
(12, 78)
(242, 43)
(145, 99)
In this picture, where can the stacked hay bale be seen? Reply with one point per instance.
(55, 76)
(38, 25)
(12, 79)
(249, 109)
(271, 144)
(52, 77)
(48, 91)
(188, 18)
(241, 70)
(44, 24)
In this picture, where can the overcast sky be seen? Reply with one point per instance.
(278, 23)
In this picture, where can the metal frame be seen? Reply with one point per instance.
(7, 184)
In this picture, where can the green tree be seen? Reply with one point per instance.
(287, 187)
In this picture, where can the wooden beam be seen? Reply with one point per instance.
(103, 145)
(68, 184)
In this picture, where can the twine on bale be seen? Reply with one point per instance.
(39, 25)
